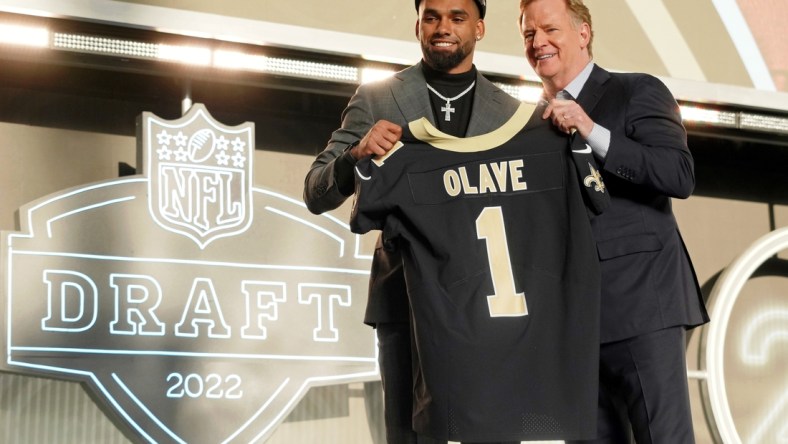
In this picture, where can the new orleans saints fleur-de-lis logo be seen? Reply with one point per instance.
(595, 178)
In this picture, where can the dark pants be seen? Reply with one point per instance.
(394, 349)
(643, 390)
(394, 346)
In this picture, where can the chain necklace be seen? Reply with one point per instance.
(448, 109)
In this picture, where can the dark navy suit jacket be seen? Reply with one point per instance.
(648, 282)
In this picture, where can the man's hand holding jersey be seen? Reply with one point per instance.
(378, 141)
(567, 115)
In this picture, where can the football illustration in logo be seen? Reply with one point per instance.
(196, 307)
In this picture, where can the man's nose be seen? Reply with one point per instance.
(538, 39)
(444, 26)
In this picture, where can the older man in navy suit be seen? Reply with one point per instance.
(650, 294)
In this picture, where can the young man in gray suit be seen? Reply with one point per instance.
(446, 88)
(650, 294)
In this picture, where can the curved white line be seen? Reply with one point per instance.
(745, 44)
(313, 226)
(666, 39)
(79, 210)
(723, 297)
(145, 409)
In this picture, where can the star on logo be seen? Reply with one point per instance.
(164, 152)
(222, 158)
(180, 139)
(238, 144)
(164, 137)
(222, 143)
(239, 160)
(181, 155)
(595, 178)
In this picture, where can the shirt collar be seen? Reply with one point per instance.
(576, 85)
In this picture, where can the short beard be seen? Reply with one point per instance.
(441, 61)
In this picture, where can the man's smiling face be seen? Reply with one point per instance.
(555, 46)
(448, 31)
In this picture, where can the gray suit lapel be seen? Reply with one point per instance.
(410, 93)
(488, 113)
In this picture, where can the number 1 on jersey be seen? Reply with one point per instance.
(505, 300)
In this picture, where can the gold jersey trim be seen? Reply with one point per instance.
(423, 130)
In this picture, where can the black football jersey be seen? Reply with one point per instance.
(502, 276)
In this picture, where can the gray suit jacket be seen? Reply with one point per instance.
(330, 180)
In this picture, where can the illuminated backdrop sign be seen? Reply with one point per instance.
(197, 307)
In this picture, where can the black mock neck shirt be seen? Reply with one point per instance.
(453, 117)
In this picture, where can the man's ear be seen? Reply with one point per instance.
(480, 29)
(585, 35)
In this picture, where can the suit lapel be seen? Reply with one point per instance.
(486, 108)
(411, 94)
(593, 90)
(412, 98)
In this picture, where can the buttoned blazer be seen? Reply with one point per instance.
(648, 281)
(400, 99)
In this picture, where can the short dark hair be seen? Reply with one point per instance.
(481, 4)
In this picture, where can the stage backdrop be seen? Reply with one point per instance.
(42, 161)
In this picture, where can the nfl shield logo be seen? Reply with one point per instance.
(200, 180)
(181, 341)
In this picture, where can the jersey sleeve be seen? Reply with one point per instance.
(594, 191)
(372, 204)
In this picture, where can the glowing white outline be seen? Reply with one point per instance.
(338, 298)
(27, 231)
(772, 417)
(31, 234)
(192, 308)
(79, 210)
(357, 253)
(723, 297)
(302, 390)
(262, 357)
(273, 305)
(28, 215)
(350, 377)
(145, 409)
(190, 262)
(257, 414)
(765, 321)
(344, 225)
(138, 329)
(311, 225)
(756, 352)
(82, 304)
(92, 376)
(199, 110)
(166, 166)
(9, 286)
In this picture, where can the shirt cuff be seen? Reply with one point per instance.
(599, 141)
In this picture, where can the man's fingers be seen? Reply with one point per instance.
(384, 135)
